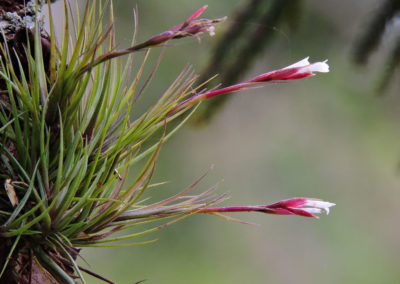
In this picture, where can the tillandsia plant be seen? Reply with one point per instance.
(68, 144)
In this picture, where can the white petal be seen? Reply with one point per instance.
(319, 204)
(315, 67)
(320, 67)
(211, 30)
(302, 63)
(312, 210)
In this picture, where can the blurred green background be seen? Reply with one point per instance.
(328, 137)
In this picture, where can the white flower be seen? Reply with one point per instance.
(316, 206)
(211, 30)
(312, 210)
(306, 67)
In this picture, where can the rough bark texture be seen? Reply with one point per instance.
(17, 21)
(11, 5)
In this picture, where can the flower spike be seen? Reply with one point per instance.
(194, 16)
(298, 70)
(191, 27)
(306, 207)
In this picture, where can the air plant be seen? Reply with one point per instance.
(68, 144)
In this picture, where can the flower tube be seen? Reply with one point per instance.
(298, 70)
(306, 207)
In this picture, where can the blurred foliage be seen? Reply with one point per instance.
(371, 38)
